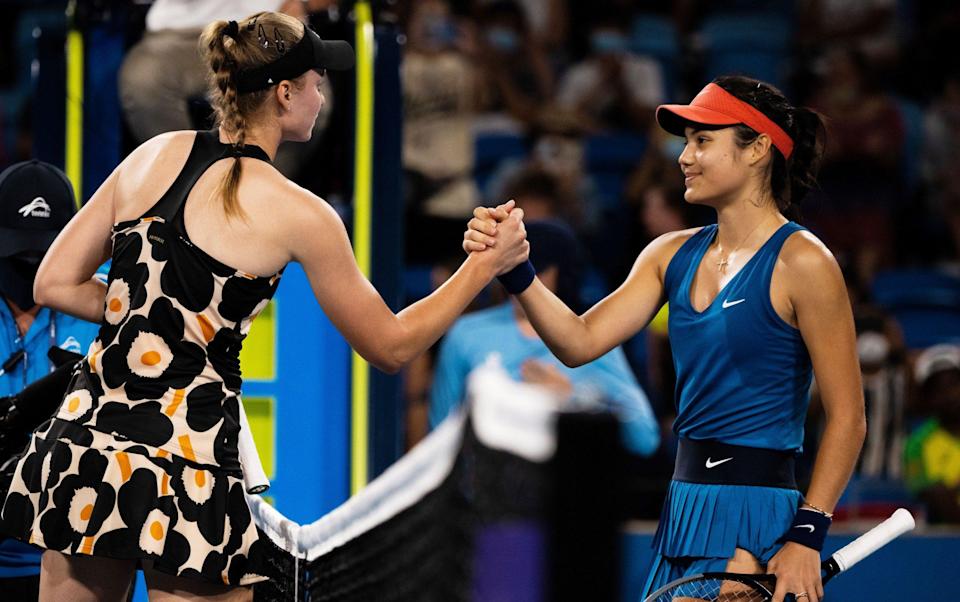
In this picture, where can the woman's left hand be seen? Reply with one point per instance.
(482, 229)
(797, 568)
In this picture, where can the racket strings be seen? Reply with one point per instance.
(713, 590)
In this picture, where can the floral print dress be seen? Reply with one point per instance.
(141, 460)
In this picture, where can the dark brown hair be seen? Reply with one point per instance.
(790, 179)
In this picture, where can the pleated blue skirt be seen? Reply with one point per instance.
(702, 525)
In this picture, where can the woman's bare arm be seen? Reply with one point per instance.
(385, 339)
(65, 278)
(576, 340)
(820, 301)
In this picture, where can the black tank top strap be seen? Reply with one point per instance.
(207, 150)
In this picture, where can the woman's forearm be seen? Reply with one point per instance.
(563, 331)
(839, 449)
(84, 300)
(424, 322)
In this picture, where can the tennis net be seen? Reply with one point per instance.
(506, 500)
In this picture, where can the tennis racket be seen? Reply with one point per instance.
(736, 587)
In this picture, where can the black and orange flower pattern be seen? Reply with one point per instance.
(141, 459)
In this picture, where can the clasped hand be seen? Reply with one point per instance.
(501, 231)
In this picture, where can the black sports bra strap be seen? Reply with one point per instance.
(207, 150)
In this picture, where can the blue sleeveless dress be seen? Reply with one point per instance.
(743, 378)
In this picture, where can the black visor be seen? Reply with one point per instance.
(309, 53)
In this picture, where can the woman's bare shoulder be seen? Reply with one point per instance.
(665, 246)
(169, 146)
(810, 268)
(804, 252)
(147, 172)
(291, 207)
(675, 238)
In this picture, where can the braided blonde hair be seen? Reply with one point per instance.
(228, 49)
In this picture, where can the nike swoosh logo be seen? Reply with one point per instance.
(811, 527)
(711, 463)
(727, 304)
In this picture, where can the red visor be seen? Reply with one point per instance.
(715, 106)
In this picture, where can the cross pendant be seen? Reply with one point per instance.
(722, 265)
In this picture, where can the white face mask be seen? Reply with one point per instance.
(872, 347)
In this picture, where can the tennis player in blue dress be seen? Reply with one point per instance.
(758, 307)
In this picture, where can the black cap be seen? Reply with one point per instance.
(554, 243)
(36, 202)
(309, 53)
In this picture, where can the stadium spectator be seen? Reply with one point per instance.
(881, 349)
(557, 149)
(548, 21)
(605, 383)
(933, 449)
(541, 195)
(36, 201)
(519, 82)
(861, 176)
(882, 352)
(870, 25)
(941, 162)
(163, 72)
(439, 91)
(612, 88)
(866, 125)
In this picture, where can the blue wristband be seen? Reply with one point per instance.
(809, 529)
(519, 278)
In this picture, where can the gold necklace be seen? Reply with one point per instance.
(723, 261)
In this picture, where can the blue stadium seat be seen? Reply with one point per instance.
(609, 159)
(656, 37)
(754, 45)
(926, 304)
(916, 288)
(874, 498)
(491, 149)
(614, 152)
(29, 24)
(912, 115)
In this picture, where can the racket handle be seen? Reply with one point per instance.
(899, 523)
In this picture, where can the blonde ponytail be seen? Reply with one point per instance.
(228, 48)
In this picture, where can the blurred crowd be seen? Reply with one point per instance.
(551, 103)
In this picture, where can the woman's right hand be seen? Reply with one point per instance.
(482, 229)
(498, 236)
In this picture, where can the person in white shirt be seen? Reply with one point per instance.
(612, 88)
(163, 71)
